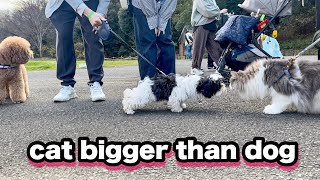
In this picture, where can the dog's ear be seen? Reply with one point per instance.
(206, 88)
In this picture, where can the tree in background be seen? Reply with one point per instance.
(232, 6)
(3, 30)
(29, 22)
(127, 32)
(113, 45)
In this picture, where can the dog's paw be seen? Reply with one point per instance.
(271, 110)
(183, 105)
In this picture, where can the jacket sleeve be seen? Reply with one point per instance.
(149, 8)
(103, 7)
(166, 12)
(207, 8)
(78, 5)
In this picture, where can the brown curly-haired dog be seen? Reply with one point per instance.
(14, 53)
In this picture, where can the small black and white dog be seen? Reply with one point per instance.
(175, 89)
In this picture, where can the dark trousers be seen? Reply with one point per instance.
(158, 50)
(210, 61)
(63, 20)
(203, 38)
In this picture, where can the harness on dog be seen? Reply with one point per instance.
(7, 67)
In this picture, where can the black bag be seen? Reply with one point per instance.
(237, 29)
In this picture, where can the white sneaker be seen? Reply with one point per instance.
(96, 92)
(66, 93)
(196, 71)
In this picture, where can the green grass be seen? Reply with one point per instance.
(41, 65)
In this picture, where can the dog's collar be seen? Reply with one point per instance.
(286, 73)
(7, 66)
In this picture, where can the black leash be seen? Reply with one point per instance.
(104, 33)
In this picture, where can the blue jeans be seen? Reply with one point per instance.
(63, 20)
(158, 50)
(189, 53)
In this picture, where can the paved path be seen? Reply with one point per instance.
(220, 119)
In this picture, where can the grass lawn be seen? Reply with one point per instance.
(41, 65)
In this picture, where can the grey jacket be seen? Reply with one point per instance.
(157, 13)
(78, 5)
(204, 12)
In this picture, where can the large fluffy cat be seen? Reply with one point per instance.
(300, 87)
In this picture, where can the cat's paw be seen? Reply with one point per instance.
(270, 109)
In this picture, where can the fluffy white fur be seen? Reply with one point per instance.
(255, 86)
(186, 88)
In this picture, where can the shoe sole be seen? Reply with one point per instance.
(98, 100)
(73, 97)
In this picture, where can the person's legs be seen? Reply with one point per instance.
(146, 44)
(210, 62)
(63, 20)
(94, 48)
(213, 47)
(199, 42)
(94, 52)
(167, 56)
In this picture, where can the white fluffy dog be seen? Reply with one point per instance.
(297, 85)
(175, 89)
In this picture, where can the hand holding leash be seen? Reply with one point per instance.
(94, 18)
(103, 31)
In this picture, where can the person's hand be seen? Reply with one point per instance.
(157, 31)
(94, 18)
(224, 11)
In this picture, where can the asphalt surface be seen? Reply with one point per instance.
(225, 118)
